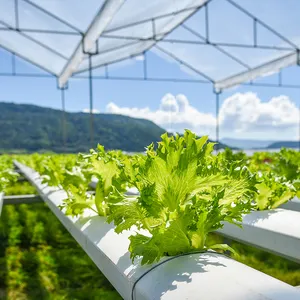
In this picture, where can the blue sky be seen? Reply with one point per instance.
(266, 119)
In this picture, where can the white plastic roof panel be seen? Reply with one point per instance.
(50, 34)
(32, 51)
(282, 16)
(204, 58)
(62, 43)
(124, 24)
(7, 12)
(255, 56)
(136, 11)
(76, 12)
(34, 18)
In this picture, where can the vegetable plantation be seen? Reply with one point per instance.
(182, 193)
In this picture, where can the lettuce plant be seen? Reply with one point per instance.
(185, 193)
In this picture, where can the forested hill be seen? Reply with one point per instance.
(286, 144)
(34, 128)
(29, 128)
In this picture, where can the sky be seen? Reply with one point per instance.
(245, 111)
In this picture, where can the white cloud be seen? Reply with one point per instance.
(245, 112)
(175, 114)
(240, 114)
(87, 110)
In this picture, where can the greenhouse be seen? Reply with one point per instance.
(176, 220)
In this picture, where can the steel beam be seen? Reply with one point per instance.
(91, 101)
(270, 67)
(22, 199)
(217, 117)
(97, 26)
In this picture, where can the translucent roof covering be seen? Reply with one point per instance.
(227, 42)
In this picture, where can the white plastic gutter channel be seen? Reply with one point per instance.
(1, 201)
(293, 204)
(277, 231)
(209, 276)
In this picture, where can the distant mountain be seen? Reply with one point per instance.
(286, 144)
(29, 128)
(247, 143)
(259, 144)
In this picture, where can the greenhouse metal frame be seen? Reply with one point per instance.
(113, 35)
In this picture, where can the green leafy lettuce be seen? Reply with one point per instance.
(185, 193)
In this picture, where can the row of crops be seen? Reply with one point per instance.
(183, 194)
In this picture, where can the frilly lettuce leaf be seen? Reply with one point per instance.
(185, 193)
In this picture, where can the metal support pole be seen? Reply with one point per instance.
(91, 101)
(217, 116)
(17, 14)
(298, 64)
(254, 32)
(206, 22)
(145, 66)
(64, 131)
(299, 131)
(13, 64)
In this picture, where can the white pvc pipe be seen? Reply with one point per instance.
(208, 276)
(1, 201)
(293, 204)
(276, 231)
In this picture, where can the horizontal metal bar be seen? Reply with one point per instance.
(155, 79)
(144, 79)
(204, 42)
(109, 251)
(26, 59)
(37, 75)
(22, 199)
(263, 47)
(291, 86)
(31, 30)
(276, 231)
